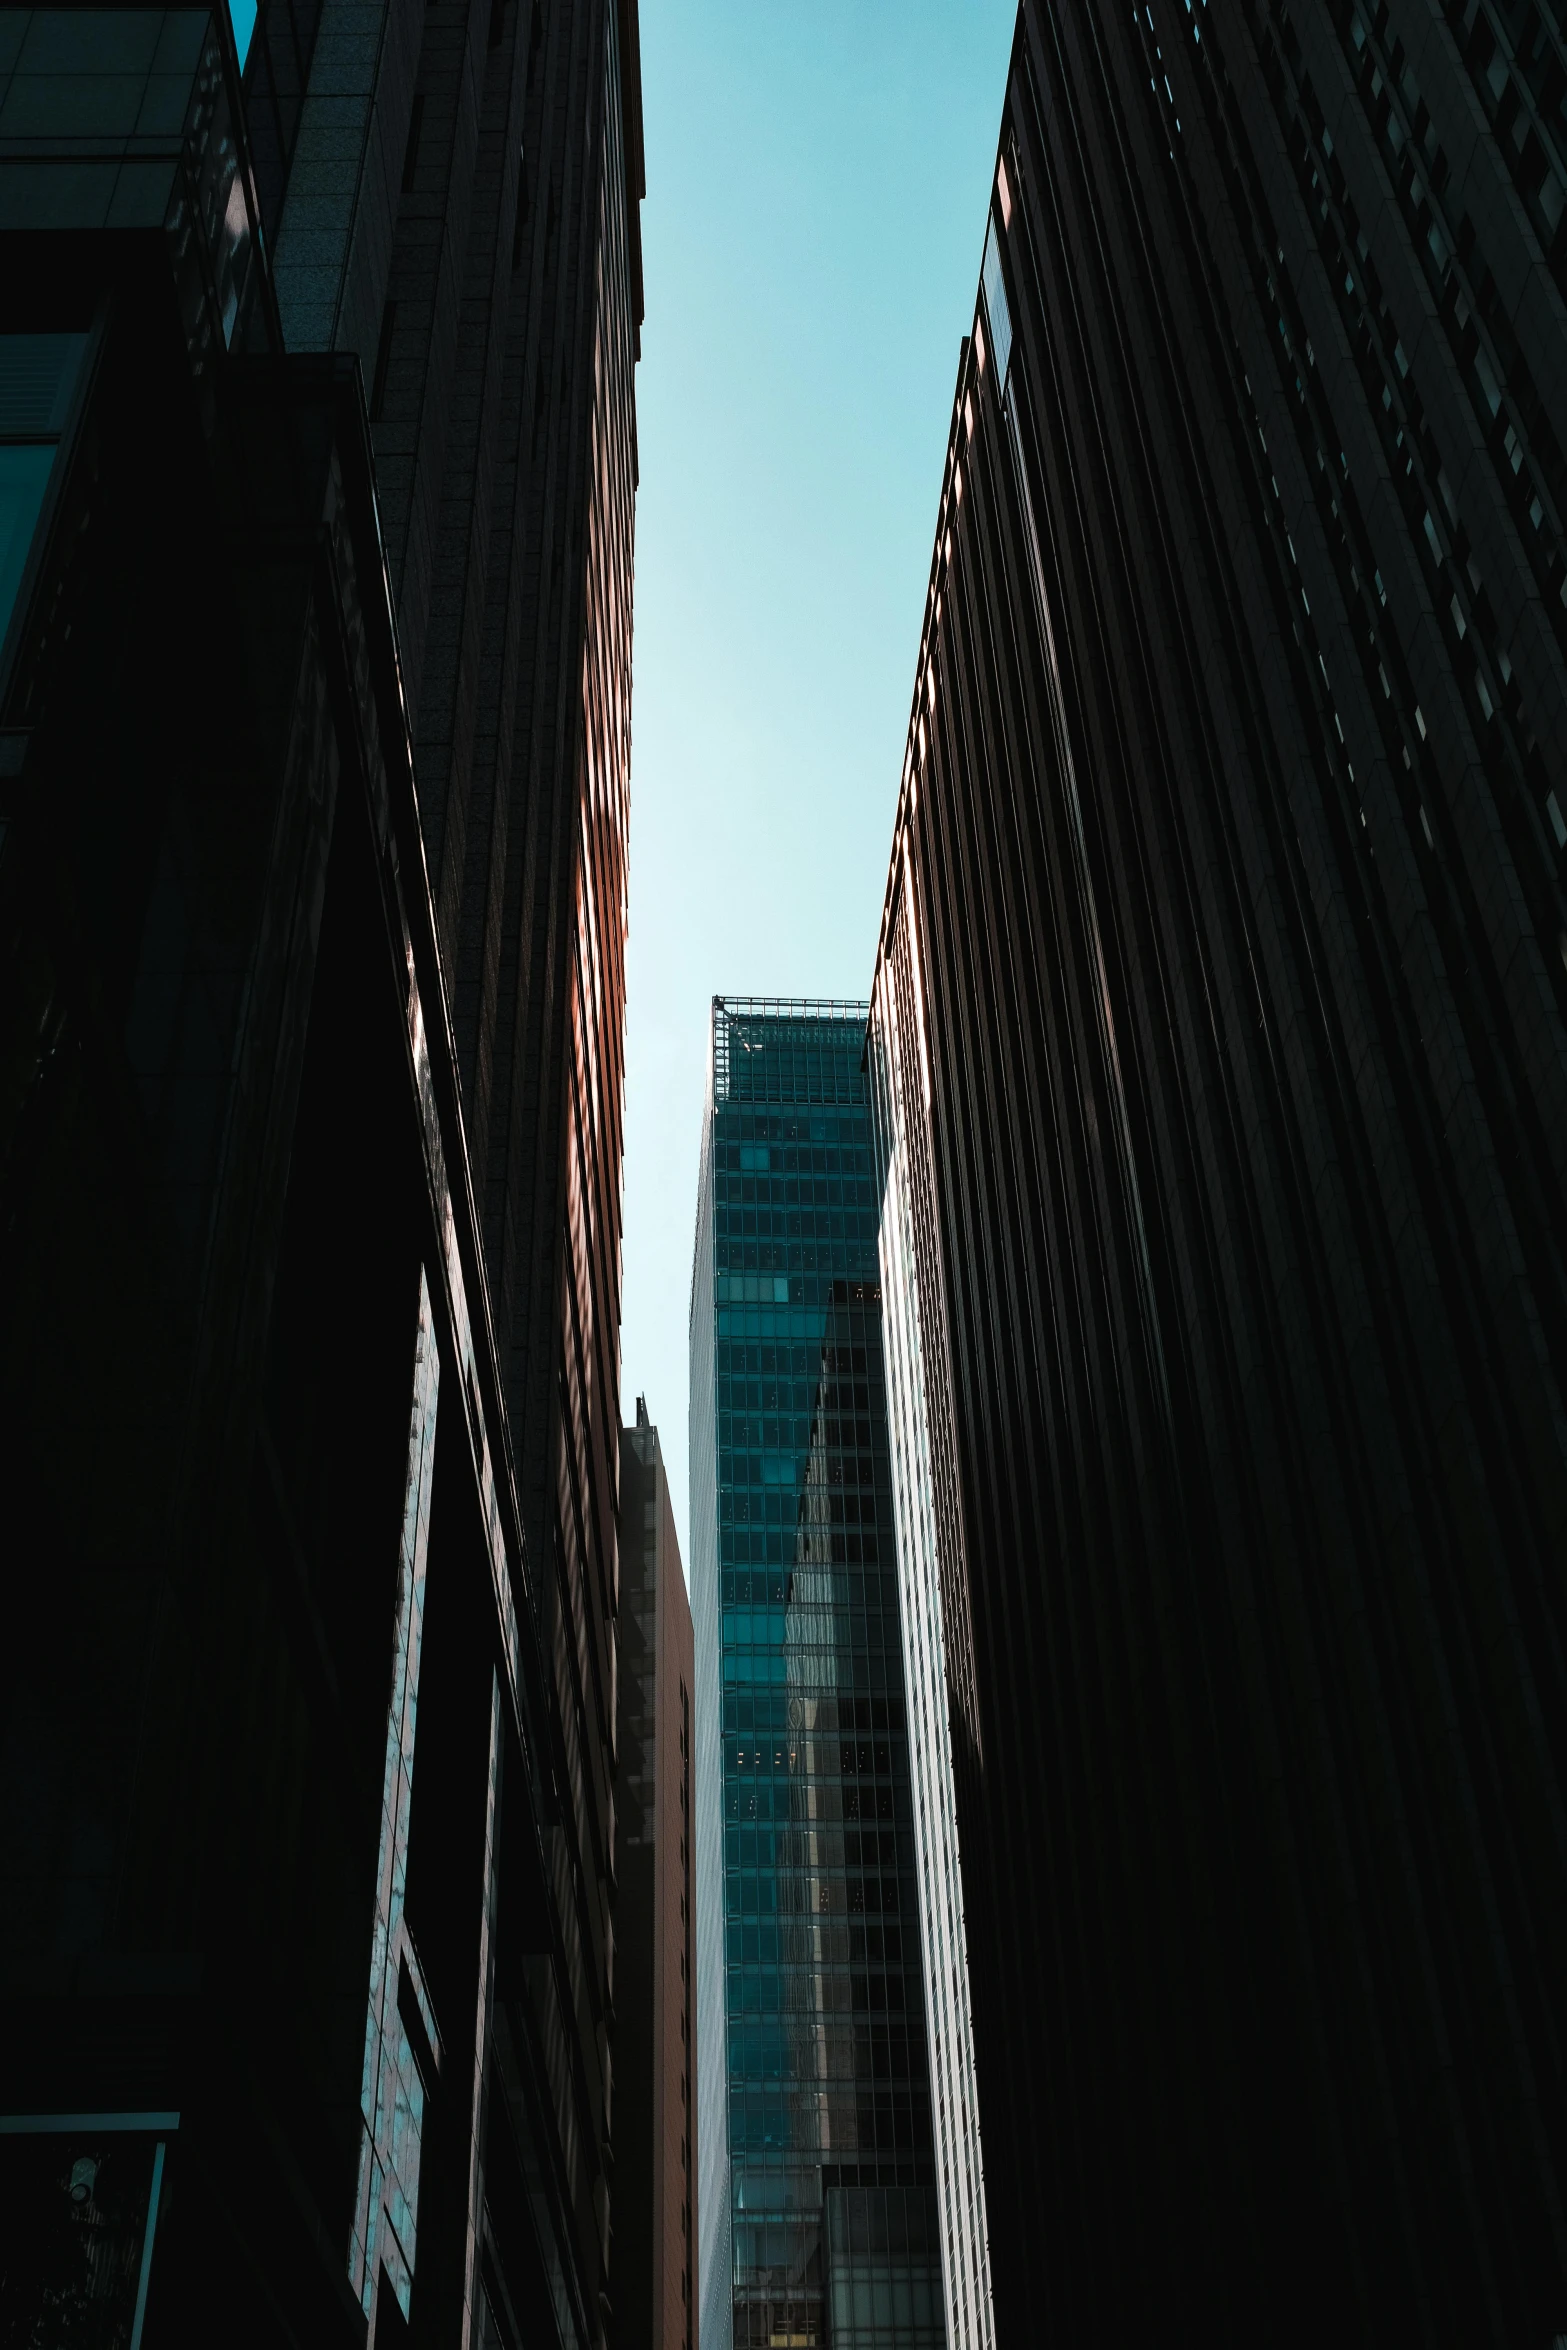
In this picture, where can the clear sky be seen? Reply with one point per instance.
(817, 179)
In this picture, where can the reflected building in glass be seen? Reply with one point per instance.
(818, 2190)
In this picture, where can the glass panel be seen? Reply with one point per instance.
(24, 476)
(37, 377)
(996, 308)
(391, 2091)
(81, 2205)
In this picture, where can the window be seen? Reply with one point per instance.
(996, 310)
(37, 377)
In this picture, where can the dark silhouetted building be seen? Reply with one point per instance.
(486, 269)
(314, 745)
(654, 2210)
(818, 2204)
(1220, 1049)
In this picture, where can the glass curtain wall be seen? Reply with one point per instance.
(813, 2057)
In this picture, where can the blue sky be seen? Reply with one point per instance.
(817, 180)
(818, 173)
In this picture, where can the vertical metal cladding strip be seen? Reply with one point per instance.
(1085, 887)
(467, 1361)
(714, 2251)
(1241, 849)
(481, 2034)
(390, 2096)
(144, 2276)
(911, 1398)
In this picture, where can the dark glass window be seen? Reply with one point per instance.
(37, 377)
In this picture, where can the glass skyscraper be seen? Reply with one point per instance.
(818, 2199)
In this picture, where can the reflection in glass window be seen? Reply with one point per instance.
(996, 310)
(37, 377)
(821, 2220)
(24, 476)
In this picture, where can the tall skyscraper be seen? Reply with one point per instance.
(455, 188)
(818, 2194)
(314, 742)
(938, 1676)
(654, 2208)
(1220, 1042)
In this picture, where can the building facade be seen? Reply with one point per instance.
(314, 748)
(451, 193)
(818, 2192)
(654, 2207)
(937, 1650)
(1221, 1024)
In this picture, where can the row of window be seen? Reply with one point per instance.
(854, 1587)
(790, 1240)
(801, 1432)
(740, 1159)
(825, 1802)
(805, 1457)
(887, 2118)
(819, 1892)
(761, 1546)
(838, 1989)
(853, 2049)
(852, 1942)
(802, 1393)
(849, 1712)
(811, 1634)
(775, 2247)
(732, 1194)
(818, 1846)
(1481, 662)
(780, 1075)
(740, 1505)
(872, 1670)
(1517, 73)
(763, 2325)
(802, 1470)
(738, 1131)
(772, 1669)
(770, 1363)
(864, 1758)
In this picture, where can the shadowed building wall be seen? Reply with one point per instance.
(653, 2260)
(314, 748)
(457, 203)
(1223, 976)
